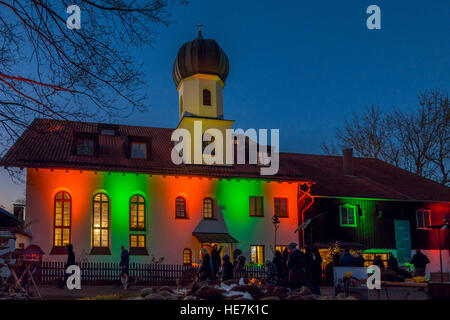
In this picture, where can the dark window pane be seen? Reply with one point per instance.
(85, 147)
(206, 97)
(139, 150)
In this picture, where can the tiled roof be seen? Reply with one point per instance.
(48, 144)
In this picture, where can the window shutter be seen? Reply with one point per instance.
(252, 206)
(215, 213)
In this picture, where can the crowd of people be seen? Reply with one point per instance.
(295, 268)
(292, 268)
(344, 258)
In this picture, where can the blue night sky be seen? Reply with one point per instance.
(302, 66)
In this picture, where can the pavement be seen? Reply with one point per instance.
(51, 292)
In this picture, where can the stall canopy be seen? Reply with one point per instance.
(214, 237)
(213, 230)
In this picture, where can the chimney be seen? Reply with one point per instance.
(347, 161)
(19, 211)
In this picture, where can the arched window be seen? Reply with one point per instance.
(180, 208)
(187, 256)
(137, 212)
(208, 208)
(100, 225)
(206, 97)
(63, 221)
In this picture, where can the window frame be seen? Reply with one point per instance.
(137, 235)
(107, 132)
(347, 206)
(185, 252)
(275, 207)
(209, 96)
(422, 212)
(185, 215)
(84, 140)
(138, 251)
(140, 143)
(213, 213)
(62, 227)
(137, 203)
(101, 249)
(257, 254)
(255, 211)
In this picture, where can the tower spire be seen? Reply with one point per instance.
(199, 26)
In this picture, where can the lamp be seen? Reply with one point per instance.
(275, 222)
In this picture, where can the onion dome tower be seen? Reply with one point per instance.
(199, 72)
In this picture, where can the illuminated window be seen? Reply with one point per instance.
(257, 255)
(180, 208)
(280, 209)
(139, 150)
(369, 258)
(256, 206)
(206, 97)
(137, 241)
(85, 147)
(137, 213)
(347, 214)
(280, 248)
(208, 208)
(423, 219)
(100, 225)
(187, 256)
(62, 223)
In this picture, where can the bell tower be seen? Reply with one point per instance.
(199, 72)
(201, 95)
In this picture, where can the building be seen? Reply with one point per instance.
(12, 234)
(371, 205)
(100, 186)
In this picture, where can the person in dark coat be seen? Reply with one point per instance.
(206, 267)
(124, 266)
(420, 262)
(236, 254)
(337, 259)
(278, 262)
(347, 259)
(316, 271)
(284, 270)
(271, 274)
(392, 263)
(379, 262)
(359, 260)
(296, 265)
(227, 268)
(124, 261)
(215, 259)
(70, 261)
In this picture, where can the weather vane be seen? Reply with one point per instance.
(199, 26)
